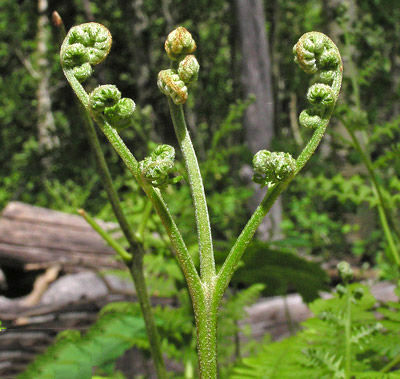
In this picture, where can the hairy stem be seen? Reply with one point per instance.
(207, 264)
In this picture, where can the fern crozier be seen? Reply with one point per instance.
(170, 84)
(179, 43)
(84, 46)
(272, 168)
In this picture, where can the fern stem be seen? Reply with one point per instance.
(137, 272)
(126, 257)
(104, 172)
(154, 194)
(392, 363)
(207, 264)
(347, 327)
(382, 208)
(145, 218)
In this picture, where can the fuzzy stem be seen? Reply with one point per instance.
(207, 264)
(206, 328)
(206, 311)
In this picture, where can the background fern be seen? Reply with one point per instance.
(319, 350)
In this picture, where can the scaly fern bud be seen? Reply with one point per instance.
(271, 168)
(106, 99)
(85, 46)
(188, 69)
(179, 43)
(170, 84)
(156, 168)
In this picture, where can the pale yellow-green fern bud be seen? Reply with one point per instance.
(170, 84)
(188, 69)
(179, 43)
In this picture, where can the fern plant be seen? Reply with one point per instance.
(344, 339)
(87, 45)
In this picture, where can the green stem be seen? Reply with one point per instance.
(206, 308)
(207, 264)
(206, 328)
(126, 257)
(347, 326)
(145, 217)
(392, 363)
(136, 270)
(104, 172)
(382, 208)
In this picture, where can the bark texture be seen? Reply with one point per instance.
(46, 123)
(257, 80)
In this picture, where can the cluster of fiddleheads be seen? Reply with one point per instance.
(174, 82)
(316, 54)
(85, 46)
(106, 99)
(156, 168)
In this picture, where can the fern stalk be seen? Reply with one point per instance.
(383, 211)
(347, 326)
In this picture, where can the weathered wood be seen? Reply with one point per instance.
(30, 234)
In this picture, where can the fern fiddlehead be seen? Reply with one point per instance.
(106, 100)
(316, 54)
(84, 46)
(271, 168)
(158, 165)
